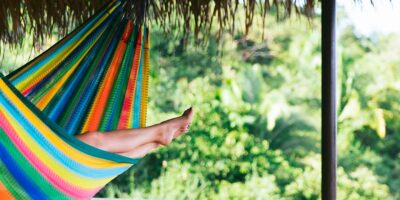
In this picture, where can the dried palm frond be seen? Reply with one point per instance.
(41, 17)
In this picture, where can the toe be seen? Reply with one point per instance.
(188, 112)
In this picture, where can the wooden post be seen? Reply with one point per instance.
(329, 119)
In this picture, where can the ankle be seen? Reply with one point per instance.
(164, 134)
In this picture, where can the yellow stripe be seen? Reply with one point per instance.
(93, 107)
(40, 57)
(74, 154)
(145, 87)
(56, 167)
(46, 68)
(94, 104)
(45, 100)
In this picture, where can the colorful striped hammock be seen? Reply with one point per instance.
(96, 78)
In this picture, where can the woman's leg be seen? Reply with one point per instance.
(141, 151)
(124, 141)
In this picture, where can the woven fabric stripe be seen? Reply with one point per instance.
(95, 79)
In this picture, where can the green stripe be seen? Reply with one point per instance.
(117, 92)
(72, 140)
(13, 74)
(124, 83)
(105, 73)
(28, 169)
(56, 97)
(10, 183)
(50, 84)
(67, 114)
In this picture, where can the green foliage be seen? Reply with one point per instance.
(256, 131)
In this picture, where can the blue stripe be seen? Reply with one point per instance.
(50, 78)
(59, 156)
(62, 97)
(48, 58)
(124, 71)
(89, 92)
(138, 90)
(19, 175)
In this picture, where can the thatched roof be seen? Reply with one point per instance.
(41, 17)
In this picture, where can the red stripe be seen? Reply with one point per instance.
(130, 90)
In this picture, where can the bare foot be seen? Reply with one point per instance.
(175, 127)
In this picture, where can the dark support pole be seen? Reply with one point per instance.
(328, 148)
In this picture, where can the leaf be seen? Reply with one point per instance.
(351, 110)
(377, 122)
(380, 123)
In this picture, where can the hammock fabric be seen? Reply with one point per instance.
(95, 79)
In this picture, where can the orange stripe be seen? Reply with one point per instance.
(130, 90)
(48, 97)
(94, 119)
(4, 194)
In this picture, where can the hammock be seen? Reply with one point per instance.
(95, 79)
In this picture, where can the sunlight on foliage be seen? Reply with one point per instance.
(256, 131)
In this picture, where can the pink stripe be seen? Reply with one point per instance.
(51, 177)
(130, 90)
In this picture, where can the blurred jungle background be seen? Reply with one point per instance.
(256, 132)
